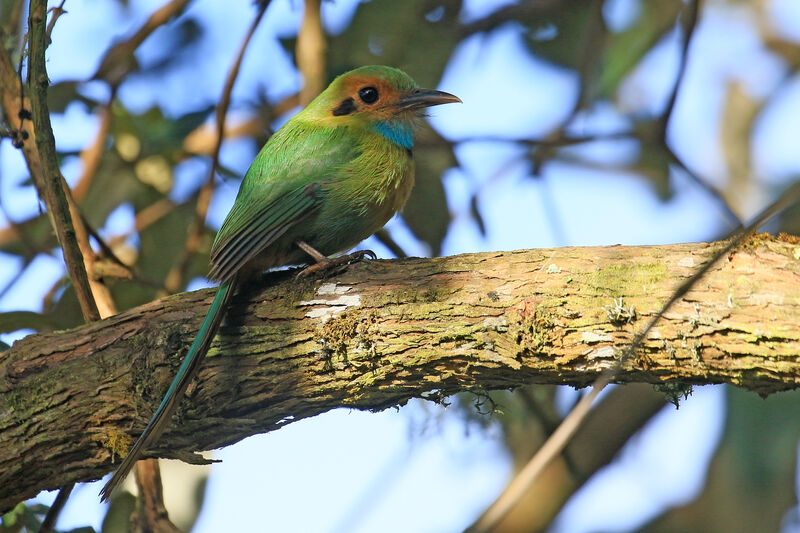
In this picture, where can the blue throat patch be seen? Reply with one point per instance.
(400, 133)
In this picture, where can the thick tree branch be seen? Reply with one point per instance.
(386, 331)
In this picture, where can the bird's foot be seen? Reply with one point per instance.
(343, 260)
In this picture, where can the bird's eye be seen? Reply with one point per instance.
(368, 95)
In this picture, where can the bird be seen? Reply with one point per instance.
(330, 177)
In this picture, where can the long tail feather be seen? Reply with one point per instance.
(172, 398)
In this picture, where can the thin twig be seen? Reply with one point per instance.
(57, 12)
(511, 13)
(387, 240)
(204, 138)
(130, 272)
(92, 154)
(16, 113)
(177, 274)
(22, 113)
(50, 518)
(688, 30)
(562, 435)
(119, 60)
(717, 194)
(555, 142)
(689, 24)
(151, 512)
(104, 247)
(15, 278)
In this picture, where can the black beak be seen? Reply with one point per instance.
(421, 98)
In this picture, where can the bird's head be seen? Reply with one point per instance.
(379, 97)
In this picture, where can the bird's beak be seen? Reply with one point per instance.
(421, 98)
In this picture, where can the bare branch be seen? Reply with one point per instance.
(119, 60)
(92, 154)
(310, 52)
(49, 522)
(716, 194)
(57, 11)
(151, 514)
(522, 10)
(557, 141)
(54, 191)
(693, 10)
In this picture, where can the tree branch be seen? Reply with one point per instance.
(52, 188)
(387, 331)
(310, 52)
(119, 61)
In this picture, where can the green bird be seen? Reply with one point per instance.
(329, 178)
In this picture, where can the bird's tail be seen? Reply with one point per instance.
(172, 398)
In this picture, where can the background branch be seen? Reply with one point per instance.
(310, 52)
(119, 60)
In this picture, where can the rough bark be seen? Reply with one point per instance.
(386, 331)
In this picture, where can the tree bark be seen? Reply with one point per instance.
(383, 332)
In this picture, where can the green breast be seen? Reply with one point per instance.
(363, 196)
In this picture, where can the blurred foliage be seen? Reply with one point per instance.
(142, 149)
(751, 484)
(28, 518)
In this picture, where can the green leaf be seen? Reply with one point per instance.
(416, 35)
(28, 238)
(653, 164)
(574, 35)
(18, 518)
(13, 521)
(626, 49)
(62, 94)
(566, 33)
(16, 320)
(118, 517)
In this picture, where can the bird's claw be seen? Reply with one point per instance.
(359, 255)
(343, 260)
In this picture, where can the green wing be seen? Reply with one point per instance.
(259, 227)
(283, 186)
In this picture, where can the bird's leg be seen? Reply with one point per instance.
(310, 250)
(324, 263)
